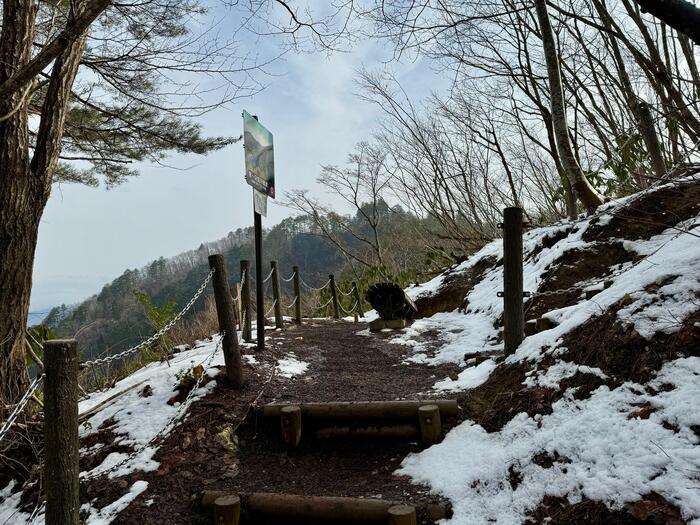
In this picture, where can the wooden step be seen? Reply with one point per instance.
(425, 416)
(364, 409)
(328, 508)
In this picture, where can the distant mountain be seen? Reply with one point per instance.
(114, 320)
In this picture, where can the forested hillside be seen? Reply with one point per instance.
(114, 319)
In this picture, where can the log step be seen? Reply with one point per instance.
(290, 506)
(364, 409)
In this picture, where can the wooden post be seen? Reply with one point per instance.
(513, 315)
(356, 292)
(227, 510)
(402, 515)
(430, 424)
(334, 296)
(246, 312)
(227, 321)
(297, 294)
(276, 294)
(651, 140)
(290, 422)
(61, 443)
(236, 292)
(259, 293)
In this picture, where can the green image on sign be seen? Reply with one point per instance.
(259, 156)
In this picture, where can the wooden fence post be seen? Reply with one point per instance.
(276, 294)
(513, 315)
(61, 441)
(297, 294)
(236, 294)
(334, 296)
(356, 291)
(227, 321)
(245, 300)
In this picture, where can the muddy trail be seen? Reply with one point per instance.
(224, 444)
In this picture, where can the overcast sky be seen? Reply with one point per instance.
(89, 236)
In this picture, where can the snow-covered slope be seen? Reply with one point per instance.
(604, 405)
(125, 424)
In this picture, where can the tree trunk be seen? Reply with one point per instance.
(589, 197)
(25, 185)
(18, 231)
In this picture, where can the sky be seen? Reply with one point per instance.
(89, 236)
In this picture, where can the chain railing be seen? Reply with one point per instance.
(10, 421)
(291, 277)
(269, 275)
(160, 333)
(352, 309)
(328, 282)
(169, 425)
(272, 307)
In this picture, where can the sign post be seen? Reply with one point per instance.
(260, 174)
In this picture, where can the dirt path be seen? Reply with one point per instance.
(343, 365)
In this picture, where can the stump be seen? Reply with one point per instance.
(430, 424)
(290, 422)
(402, 515)
(390, 301)
(227, 510)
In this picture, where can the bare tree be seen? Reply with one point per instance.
(134, 99)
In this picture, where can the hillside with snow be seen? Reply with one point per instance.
(594, 419)
(601, 407)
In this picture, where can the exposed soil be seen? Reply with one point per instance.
(624, 355)
(573, 268)
(455, 287)
(652, 509)
(200, 455)
(650, 214)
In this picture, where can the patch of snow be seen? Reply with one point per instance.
(105, 515)
(289, 366)
(470, 377)
(614, 459)
(552, 376)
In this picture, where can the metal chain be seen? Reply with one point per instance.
(155, 336)
(352, 308)
(292, 303)
(20, 406)
(344, 293)
(170, 425)
(288, 280)
(324, 304)
(271, 308)
(315, 289)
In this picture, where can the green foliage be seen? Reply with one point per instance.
(630, 157)
(159, 316)
(35, 336)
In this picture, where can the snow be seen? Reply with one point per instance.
(606, 454)
(613, 458)
(469, 378)
(137, 422)
(137, 419)
(289, 366)
(105, 515)
(552, 376)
